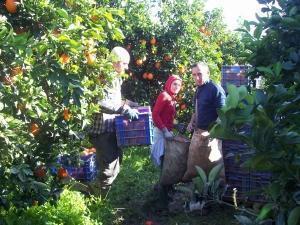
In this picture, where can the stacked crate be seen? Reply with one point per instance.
(234, 75)
(248, 183)
(136, 132)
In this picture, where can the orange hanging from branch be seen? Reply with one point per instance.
(11, 6)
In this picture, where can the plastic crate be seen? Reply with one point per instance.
(87, 170)
(234, 75)
(138, 132)
(248, 183)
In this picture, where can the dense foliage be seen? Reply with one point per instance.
(53, 65)
(272, 113)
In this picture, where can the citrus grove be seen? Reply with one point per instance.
(54, 66)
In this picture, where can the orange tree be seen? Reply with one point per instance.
(178, 36)
(52, 68)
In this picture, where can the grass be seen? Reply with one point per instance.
(132, 201)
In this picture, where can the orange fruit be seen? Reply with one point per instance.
(207, 32)
(62, 173)
(182, 106)
(139, 62)
(67, 114)
(145, 75)
(11, 6)
(150, 76)
(34, 129)
(16, 71)
(90, 58)
(157, 65)
(153, 41)
(94, 18)
(149, 222)
(64, 58)
(40, 172)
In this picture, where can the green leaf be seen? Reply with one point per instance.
(214, 173)
(277, 68)
(232, 99)
(201, 174)
(265, 211)
(63, 13)
(294, 216)
(266, 70)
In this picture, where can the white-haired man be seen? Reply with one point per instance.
(102, 133)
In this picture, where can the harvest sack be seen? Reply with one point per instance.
(175, 160)
(204, 152)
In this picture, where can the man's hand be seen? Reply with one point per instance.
(167, 134)
(131, 114)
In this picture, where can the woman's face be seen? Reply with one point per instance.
(175, 86)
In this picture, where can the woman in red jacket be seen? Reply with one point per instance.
(163, 116)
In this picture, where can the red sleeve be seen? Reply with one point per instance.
(160, 103)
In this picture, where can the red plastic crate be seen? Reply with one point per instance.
(137, 132)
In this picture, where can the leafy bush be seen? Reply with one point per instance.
(273, 112)
(70, 209)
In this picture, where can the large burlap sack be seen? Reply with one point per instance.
(175, 160)
(205, 152)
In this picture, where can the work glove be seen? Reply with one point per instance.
(167, 134)
(131, 114)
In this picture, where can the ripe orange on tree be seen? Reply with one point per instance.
(150, 76)
(67, 114)
(64, 58)
(40, 172)
(90, 58)
(11, 6)
(139, 62)
(62, 173)
(145, 75)
(16, 71)
(34, 128)
(182, 106)
(157, 65)
(153, 41)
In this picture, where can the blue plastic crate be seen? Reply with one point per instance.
(86, 171)
(137, 132)
(234, 75)
(248, 183)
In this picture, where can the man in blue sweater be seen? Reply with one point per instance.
(204, 151)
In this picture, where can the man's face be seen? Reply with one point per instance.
(120, 66)
(200, 75)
